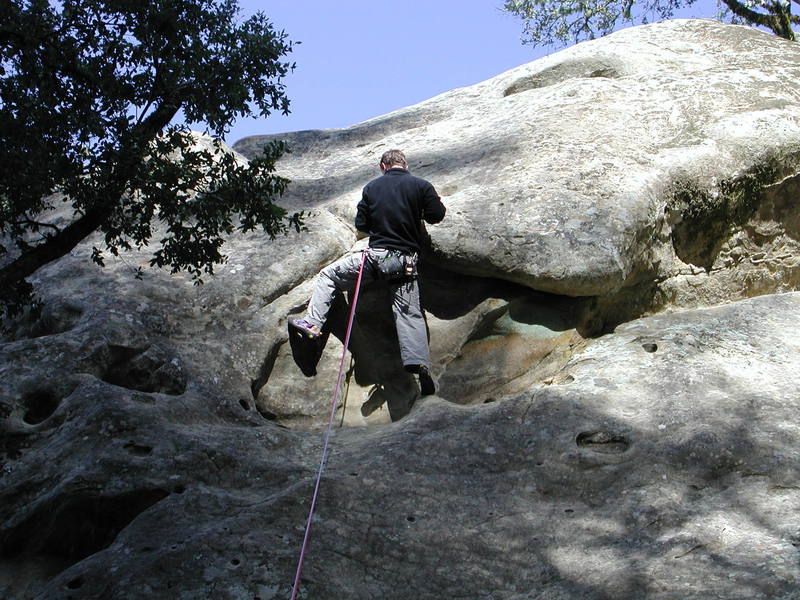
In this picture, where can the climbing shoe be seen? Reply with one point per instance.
(307, 329)
(426, 384)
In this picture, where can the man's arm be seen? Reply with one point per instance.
(433, 210)
(362, 214)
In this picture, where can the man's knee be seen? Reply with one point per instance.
(327, 273)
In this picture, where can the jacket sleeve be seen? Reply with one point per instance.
(362, 214)
(433, 210)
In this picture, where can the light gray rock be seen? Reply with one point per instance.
(652, 169)
(625, 167)
(144, 451)
(216, 336)
(661, 462)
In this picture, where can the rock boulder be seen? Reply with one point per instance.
(157, 441)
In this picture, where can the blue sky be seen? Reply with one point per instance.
(359, 59)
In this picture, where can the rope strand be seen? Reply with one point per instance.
(334, 402)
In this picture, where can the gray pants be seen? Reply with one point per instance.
(408, 318)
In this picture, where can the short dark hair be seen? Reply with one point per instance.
(394, 157)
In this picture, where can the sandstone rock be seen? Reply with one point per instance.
(143, 442)
(634, 170)
(623, 168)
(663, 464)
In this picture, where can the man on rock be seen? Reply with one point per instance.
(391, 211)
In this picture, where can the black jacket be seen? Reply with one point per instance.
(392, 208)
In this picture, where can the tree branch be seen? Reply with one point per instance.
(778, 25)
(740, 10)
(54, 247)
(33, 225)
(106, 201)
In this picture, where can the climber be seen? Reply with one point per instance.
(391, 211)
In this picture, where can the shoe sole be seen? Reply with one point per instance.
(304, 332)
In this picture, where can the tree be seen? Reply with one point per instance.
(96, 98)
(560, 22)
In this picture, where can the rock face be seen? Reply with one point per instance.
(156, 439)
(601, 168)
(662, 462)
(653, 169)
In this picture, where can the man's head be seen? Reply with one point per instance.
(393, 158)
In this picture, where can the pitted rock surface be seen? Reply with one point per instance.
(661, 462)
(653, 169)
(156, 439)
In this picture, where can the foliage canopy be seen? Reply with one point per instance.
(96, 98)
(561, 22)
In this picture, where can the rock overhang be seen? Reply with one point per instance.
(575, 154)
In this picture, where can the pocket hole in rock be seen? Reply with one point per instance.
(602, 442)
(561, 379)
(244, 404)
(150, 370)
(573, 69)
(268, 415)
(75, 584)
(650, 347)
(77, 525)
(138, 450)
(50, 320)
(39, 405)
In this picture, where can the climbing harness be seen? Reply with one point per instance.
(334, 402)
(395, 265)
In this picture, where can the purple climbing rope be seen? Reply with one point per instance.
(334, 402)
